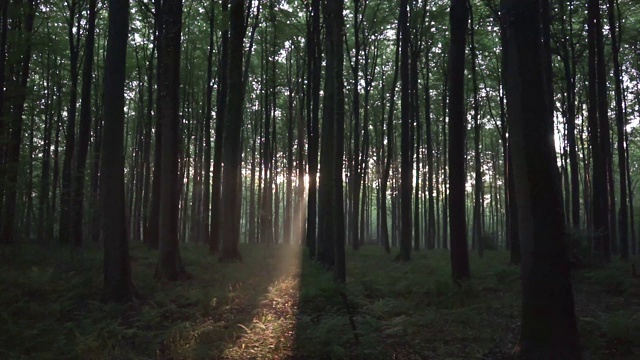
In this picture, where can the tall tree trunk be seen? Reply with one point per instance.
(621, 129)
(65, 233)
(415, 110)
(221, 115)
(354, 178)
(170, 265)
(568, 61)
(118, 286)
(290, 132)
(478, 183)
(458, 20)
(598, 134)
(389, 153)
(153, 224)
(445, 161)
(12, 161)
(314, 70)
(206, 196)
(232, 150)
(431, 219)
(44, 207)
(84, 133)
(331, 204)
(548, 329)
(4, 30)
(405, 143)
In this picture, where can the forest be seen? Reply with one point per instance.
(319, 179)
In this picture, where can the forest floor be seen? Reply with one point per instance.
(277, 306)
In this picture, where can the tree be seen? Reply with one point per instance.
(118, 286)
(598, 133)
(170, 265)
(84, 131)
(66, 199)
(405, 144)
(458, 20)
(12, 155)
(314, 63)
(568, 57)
(548, 329)
(221, 115)
(621, 129)
(232, 151)
(331, 228)
(477, 228)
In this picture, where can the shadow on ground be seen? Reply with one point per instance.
(280, 305)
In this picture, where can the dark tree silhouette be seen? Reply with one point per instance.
(331, 234)
(221, 115)
(84, 131)
(314, 63)
(405, 143)
(11, 156)
(118, 286)
(549, 329)
(232, 150)
(458, 20)
(170, 265)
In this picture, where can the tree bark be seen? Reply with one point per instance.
(232, 150)
(84, 133)
(118, 286)
(459, 17)
(405, 144)
(548, 329)
(170, 265)
(314, 70)
(621, 129)
(12, 161)
(221, 115)
(598, 134)
(65, 230)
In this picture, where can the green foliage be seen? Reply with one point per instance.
(579, 244)
(278, 306)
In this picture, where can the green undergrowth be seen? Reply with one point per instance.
(275, 306)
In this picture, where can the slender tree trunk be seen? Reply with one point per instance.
(170, 265)
(65, 233)
(153, 224)
(314, 70)
(598, 134)
(405, 144)
(44, 206)
(568, 60)
(415, 109)
(459, 17)
(621, 129)
(4, 30)
(84, 133)
(12, 161)
(206, 196)
(431, 218)
(354, 178)
(331, 205)
(221, 115)
(118, 286)
(389, 153)
(232, 150)
(478, 183)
